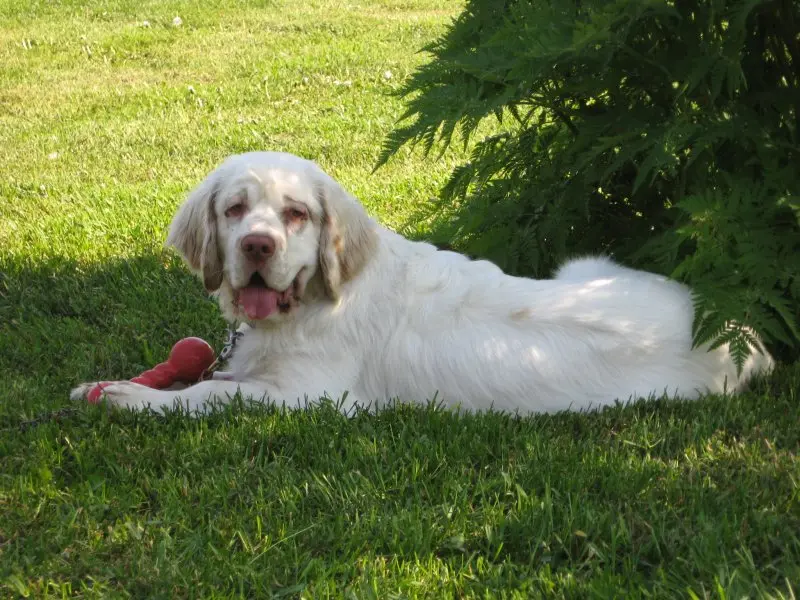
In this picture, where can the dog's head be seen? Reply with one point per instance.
(263, 227)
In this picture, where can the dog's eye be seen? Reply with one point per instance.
(237, 210)
(295, 214)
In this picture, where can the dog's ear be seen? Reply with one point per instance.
(348, 236)
(193, 232)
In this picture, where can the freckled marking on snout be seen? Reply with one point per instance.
(522, 314)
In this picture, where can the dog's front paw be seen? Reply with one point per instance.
(81, 392)
(126, 394)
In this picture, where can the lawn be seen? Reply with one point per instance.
(110, 111)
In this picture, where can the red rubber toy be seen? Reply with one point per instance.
(187, 361)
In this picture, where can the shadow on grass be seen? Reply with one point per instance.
(659, 494)
(62, 322)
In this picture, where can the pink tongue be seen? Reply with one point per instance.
(258, 302)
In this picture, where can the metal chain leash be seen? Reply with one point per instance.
(42, 418)
(227, 351)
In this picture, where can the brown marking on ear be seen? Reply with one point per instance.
(329, 261)
(212, 261)
(193, 232)
(348, 238)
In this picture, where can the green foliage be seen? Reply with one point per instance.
(664, 133)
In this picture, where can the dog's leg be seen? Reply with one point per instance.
(199, 398)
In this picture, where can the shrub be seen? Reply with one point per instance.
(663, 133)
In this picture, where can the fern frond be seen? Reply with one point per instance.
(665, 134)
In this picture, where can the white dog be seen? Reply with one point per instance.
(338, 304)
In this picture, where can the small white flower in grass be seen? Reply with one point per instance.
(305, 80)
(53, 155)
(177, 22)
(387, 75)
(145, 24)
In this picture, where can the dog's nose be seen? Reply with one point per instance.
(258, 247)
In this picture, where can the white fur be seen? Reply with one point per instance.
(406, 321)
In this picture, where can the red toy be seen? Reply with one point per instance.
(188, 360)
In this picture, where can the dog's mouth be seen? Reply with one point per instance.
(258, 301)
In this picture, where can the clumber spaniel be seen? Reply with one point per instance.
(334, 303)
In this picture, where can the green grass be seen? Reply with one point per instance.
(104, 126)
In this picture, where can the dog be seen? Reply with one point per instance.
(336, 306)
